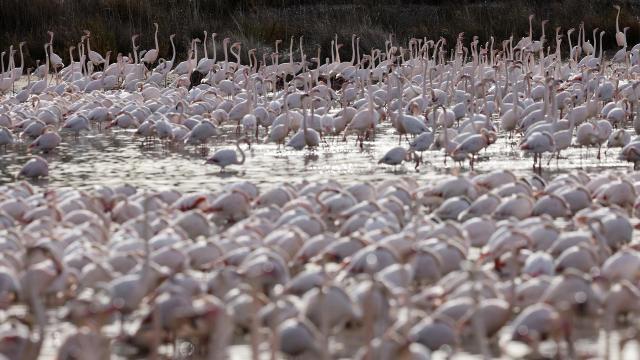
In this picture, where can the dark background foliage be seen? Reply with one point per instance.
(257, 24)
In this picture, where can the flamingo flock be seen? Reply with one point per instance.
(495, 263)
(458, 101)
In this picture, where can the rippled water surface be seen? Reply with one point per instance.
(115, 157)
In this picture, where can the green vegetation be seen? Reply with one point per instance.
(257, 24)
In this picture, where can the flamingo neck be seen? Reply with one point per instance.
(21, 58)
(226, 55)
(213, 43)
(173, 49)
(156, 40)
(353, 50)
(601, 46)
(206, 54)
(304, 120)
(242, 155)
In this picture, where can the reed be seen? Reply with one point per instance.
(257, 24)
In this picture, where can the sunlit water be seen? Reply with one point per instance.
(118, 156)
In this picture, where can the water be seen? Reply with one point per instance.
(116, 157)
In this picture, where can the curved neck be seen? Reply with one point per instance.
(236, 55)
(204, 43)
(46, 54)
(242, 155)
(173, 49)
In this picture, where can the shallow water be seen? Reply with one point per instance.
(116, 157)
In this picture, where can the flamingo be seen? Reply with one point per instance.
(395, 156)
(34, 168)
(306, 137)
(226, 157)
(94, 57)
(621, 38)
(151, 56)
(539, 143)
(6, 137)
(49, 140)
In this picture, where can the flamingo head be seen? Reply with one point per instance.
(212, 160)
